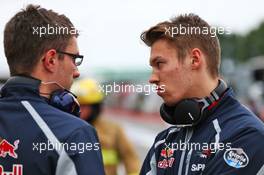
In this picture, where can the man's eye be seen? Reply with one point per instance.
(159, 64)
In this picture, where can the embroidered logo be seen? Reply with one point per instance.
(8, 148)
(236, 157)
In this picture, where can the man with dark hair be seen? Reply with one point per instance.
(212, 132)
(40, 132)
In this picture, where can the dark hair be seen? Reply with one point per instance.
(207, 43)
(22, 43)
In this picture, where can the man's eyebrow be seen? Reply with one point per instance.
(153, 60)
(76, 53)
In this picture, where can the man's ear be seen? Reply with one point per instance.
(50, 60)
(196, 58)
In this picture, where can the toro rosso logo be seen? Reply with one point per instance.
(8, 148)
(166, 153)
(236, 158)
(168, 160)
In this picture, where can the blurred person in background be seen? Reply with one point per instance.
(116, 147)
(255, 99)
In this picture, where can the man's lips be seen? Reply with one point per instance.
(160, 90)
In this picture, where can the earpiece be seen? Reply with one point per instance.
(190, 112)
(65, 101)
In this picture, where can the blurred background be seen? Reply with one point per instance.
(110, 41)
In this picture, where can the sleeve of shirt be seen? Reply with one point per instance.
(85, 151)
(246, 155)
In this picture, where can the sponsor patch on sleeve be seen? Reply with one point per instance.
(236, 157)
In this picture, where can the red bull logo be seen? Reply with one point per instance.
(17, 170)
(8, 148)
(166, 153)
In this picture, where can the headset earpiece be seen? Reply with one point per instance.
(166, 112)
(189, 109)
(189, 112)
(65, 101)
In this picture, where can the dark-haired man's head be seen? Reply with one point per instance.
(32, 39)
(184, 58)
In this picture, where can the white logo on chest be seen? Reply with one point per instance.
(198, 167)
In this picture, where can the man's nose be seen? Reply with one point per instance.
(76, 73)
(153, 78)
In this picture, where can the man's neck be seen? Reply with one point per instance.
(45, 88)
(205, 88)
